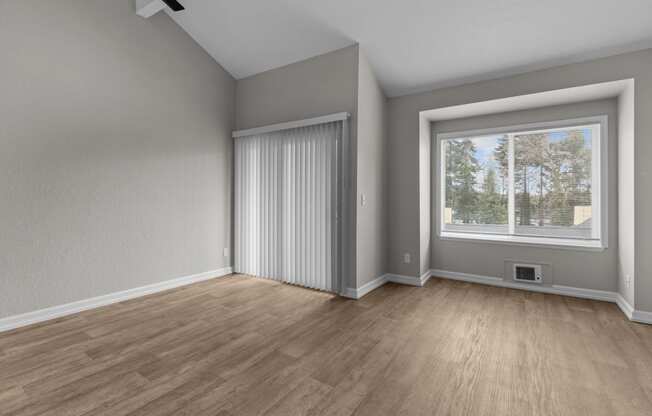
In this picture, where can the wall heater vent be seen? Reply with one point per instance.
(529, 273)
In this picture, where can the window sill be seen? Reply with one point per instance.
(543, 242)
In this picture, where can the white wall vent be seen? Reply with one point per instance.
(529, 273)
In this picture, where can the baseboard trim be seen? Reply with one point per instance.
(642, 317)
(404, 280)
(358, 293)
(29, 318)
(554, 289)
(425, 277)
(603, 295)
(624, 306)
(633, 315)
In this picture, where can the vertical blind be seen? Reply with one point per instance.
(286, 205)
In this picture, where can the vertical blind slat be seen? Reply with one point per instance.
(285, 201)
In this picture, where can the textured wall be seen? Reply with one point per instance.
(115, 152)
(371, 176)
(315, 87)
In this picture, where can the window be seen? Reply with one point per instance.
(529, 184)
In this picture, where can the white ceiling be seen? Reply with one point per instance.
(418, 45)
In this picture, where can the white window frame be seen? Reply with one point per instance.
(599, 181)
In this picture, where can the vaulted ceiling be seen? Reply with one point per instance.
(418, 45)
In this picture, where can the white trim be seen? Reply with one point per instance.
(593, 294)
(624, 306)
(599, 181)
(425, 277)
(631, 313)
(381, 280)
(511, 199)
(148, 8)
(642, 317)
(404, 280)
(410, 280)
(527, 128)
(521, 240)
(29, 318)
(576, 292)
(554, 289)
(364, 289)
(292, 124)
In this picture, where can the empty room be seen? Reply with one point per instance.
(284, 207)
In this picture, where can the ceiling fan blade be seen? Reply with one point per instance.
(174, 5)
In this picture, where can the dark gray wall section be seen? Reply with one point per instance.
(371, 176)
(315, 87)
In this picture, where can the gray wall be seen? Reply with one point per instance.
(314, 87)
(568, 267)
(626, 194)
(425, 145)
(404, 150)
(321, 85)
(371, 233)
(115, 152)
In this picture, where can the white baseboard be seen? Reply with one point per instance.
(625, 306)
(381, 280)
(642, 317)
(46, 314)
(603, 295)
(633, 315)
(404, 280)
(425, 277)
(554, 289)
(364, 289)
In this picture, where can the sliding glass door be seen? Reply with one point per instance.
(287, 202)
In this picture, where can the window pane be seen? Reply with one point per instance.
(552, 174)
(476, 185)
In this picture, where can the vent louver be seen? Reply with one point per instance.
(530, 273)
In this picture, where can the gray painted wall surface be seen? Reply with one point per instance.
(591, 270)
(425, 182)
(115, 152)
(403, 181)
(626, 194)
(315, 87)
(371, 233)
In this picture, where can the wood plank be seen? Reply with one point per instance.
(246, 346)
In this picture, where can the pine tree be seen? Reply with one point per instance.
(529, 162)
(493, 209)
(462, 168)
(557, 192)
(579, 163)
(561, 170)
(569, 170)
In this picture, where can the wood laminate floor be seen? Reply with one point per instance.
(245, 346)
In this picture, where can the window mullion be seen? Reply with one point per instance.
(596, 184)
(511, 208)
